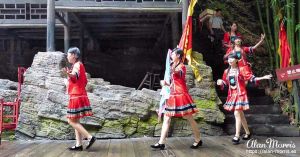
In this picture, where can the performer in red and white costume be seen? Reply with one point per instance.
(79, 105)
(229, 37)
(241, 52)
(237, 99)
(180, 103)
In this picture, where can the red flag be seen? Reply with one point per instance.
(186, 38)
(284, 52)
(284, 48)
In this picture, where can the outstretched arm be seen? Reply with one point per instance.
(266, 77)
(262, 37)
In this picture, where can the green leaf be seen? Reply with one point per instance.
(297, 27)
(274, 3)
(289, 20)
(277, 18)
(290, 5)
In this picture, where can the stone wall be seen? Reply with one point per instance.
(119, 112)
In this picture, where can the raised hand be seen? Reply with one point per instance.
(162, 82)
(219, 82)
(262, 37)
(66, 70)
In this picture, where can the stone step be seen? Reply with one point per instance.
(254, 91)
(266, 130)
(260, 119)
(262, 100)
(260, 109)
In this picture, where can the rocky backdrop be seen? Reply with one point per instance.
(119, 112)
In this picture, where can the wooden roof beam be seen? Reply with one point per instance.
(121, 20)
(61, 19)
(118, 9)
(82, 25)
(129, 30)
(126, 25)
(11, 33)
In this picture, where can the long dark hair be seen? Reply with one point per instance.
(179, 52)
(237, 27)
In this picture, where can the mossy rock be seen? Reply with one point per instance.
(112, 124)
(130, 125)
(205, 104)
(209, 112)
(199, 117)
(213, 94)
(198, 57)
(181, 127)
(147, 127)
(54, 129)
(111, 129)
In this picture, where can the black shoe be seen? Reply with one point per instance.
(75, 148)
(196, 145)
(234, 141)
(91, 142)
(158, 146)
(247, 136)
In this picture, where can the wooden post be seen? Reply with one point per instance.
(12, 50)
(67, 32)
(175, 29)
(185, 6)
(81, 44)
(50, 25)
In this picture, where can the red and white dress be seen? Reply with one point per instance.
(180, 103)
(237, 95)
(243, 64)
(79, 104)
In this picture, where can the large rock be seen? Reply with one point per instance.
(8, 90)
(119, 111)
